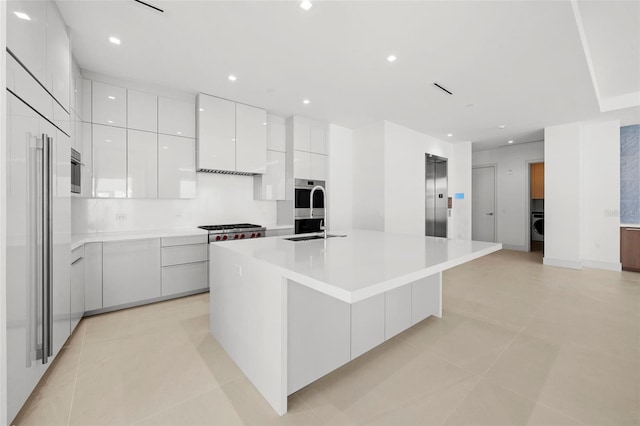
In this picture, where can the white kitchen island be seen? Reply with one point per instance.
(291, 312)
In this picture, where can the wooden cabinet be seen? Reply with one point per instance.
(131, 271)
(537, 181)
(630, 248)
(109, 161)
(176, 118)
(231, 136)
(176, 167)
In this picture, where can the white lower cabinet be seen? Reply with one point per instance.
(426, 298)
(367, 325)
(184, 264)
(131, 271)
(397, 313)
(77, 286)
(92, 276)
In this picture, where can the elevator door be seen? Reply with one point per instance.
(435, 196)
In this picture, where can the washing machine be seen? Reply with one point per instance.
(537, 226)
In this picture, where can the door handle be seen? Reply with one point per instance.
(489, 214)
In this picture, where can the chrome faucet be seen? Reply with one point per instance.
(323, 223)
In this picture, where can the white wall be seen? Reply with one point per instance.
(582, 195)
(220, 199)
(369, 177)
(562, 174)
(3, 221)
(600, 195)
(512, 189)
(388, 179)
(340, 180)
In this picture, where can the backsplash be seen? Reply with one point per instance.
(630, 174)
(220, 199)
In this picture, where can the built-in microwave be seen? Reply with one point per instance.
(76, 172)
(302, 206)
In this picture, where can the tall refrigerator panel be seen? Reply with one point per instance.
(436, 196)
(38, 243)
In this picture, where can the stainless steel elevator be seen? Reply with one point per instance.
(436, 200)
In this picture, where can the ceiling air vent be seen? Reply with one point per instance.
(157, 9)
(226, 172)
(443, 89)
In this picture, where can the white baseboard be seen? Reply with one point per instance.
(608, 266)
(516, 247)
(571, 264)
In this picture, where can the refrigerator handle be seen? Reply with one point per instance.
(50, 180)
(45, 250)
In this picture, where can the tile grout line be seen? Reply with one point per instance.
(75, 382)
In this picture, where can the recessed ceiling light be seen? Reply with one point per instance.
(502, 126)
(179, 133)
(391, 58)
(509, 141)
(232, 77)
(201, 109)
(109, 121)
(264, 124)
(306, 102)
(306, 4)
(450, 134)
(114, 40)
(112, 97)
(22, 15)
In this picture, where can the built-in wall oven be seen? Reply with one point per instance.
(304, 223)
(76, 172)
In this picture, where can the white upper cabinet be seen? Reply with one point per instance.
(318, 140)
(109, 161)
(142, 111)
(301, 136)
(318, 166)
(37, 36)
(85, 112)
(176, 118)
(176, 167)
(251, 139)
(142, 164)
(271, 185)
(109, 105)
(27, 35)
(216, 133)
(58, 57)
(301, 164)
(276, 133)
(231, 136)
(76, 90)
(86, 171)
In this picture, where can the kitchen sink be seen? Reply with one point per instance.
(312, 237)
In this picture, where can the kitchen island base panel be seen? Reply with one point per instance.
(284, 335)
(248, 306)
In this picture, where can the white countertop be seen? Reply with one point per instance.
(362, 264)
(630, 225)
(79, 239)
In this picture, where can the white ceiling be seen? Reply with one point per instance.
(520, 64)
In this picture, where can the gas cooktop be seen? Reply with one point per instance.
(233, 231)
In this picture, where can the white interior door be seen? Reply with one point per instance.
(484, 202)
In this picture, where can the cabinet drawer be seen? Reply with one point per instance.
(177, 255)
(76, 254)
(180, 278)
(181, 241)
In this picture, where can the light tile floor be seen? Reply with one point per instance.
(519, 344)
